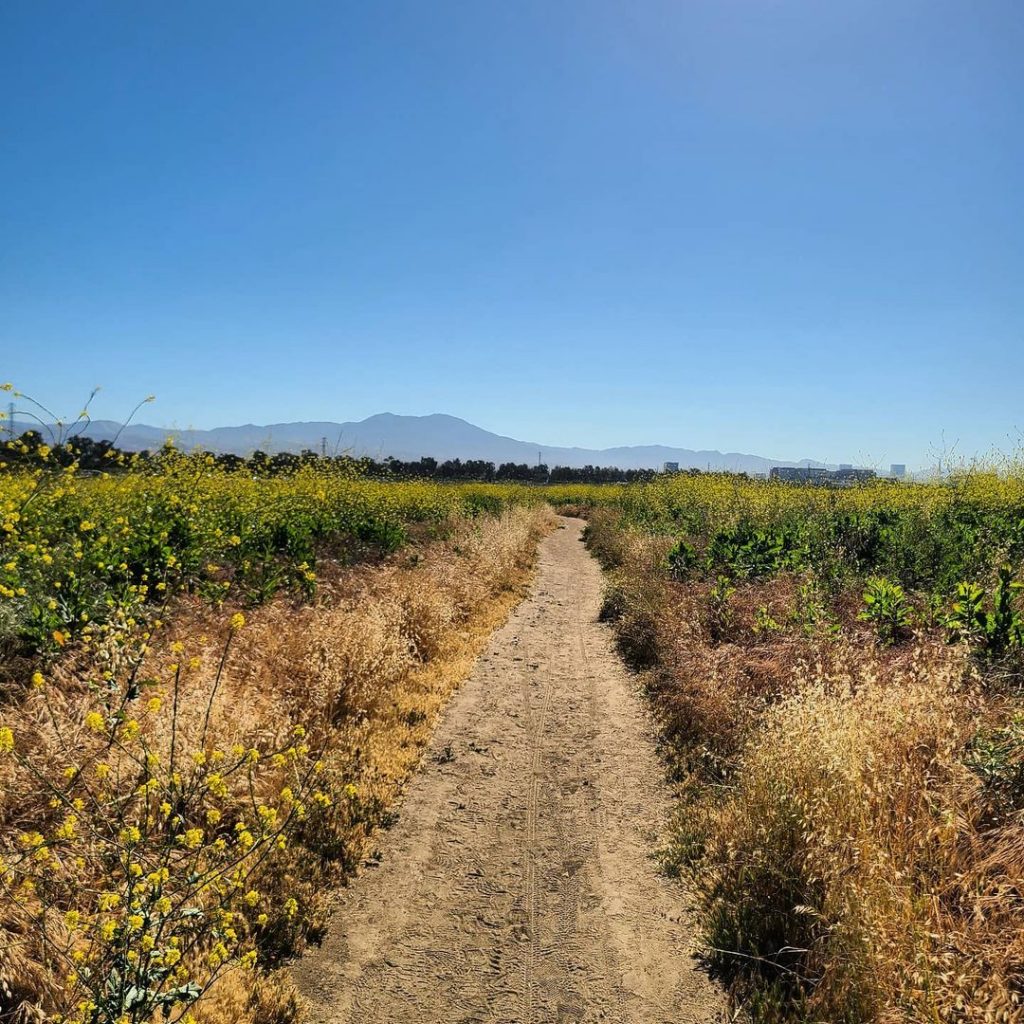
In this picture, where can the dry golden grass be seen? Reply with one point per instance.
(366, 669)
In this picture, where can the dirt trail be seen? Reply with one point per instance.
(518, 886)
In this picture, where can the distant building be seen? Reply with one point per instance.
(793, 474)
(845, 476)
(850, 476)
(671, 467)
(898, 470)
(845, 465)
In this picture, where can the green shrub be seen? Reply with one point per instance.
(991, 627)
(887, 608)
(750, 552)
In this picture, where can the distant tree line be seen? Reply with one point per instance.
(33, 449)
(479, 469)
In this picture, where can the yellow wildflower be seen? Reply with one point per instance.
(192, 838)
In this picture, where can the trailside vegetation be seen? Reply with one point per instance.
(839, 677)
(212, 685)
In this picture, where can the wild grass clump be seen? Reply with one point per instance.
(828, 869)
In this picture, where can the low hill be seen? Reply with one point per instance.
(412, 437)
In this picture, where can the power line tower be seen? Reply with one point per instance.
(10, 420)
(323, 447)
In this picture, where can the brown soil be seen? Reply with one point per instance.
(519, 885)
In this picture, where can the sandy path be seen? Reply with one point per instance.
(518, 886)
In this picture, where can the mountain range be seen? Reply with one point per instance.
(412, 437)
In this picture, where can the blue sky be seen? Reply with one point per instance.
(786, 227)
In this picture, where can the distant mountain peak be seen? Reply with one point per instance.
(437, 435)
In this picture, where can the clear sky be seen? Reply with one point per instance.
(787, 227)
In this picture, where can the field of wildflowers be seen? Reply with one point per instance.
(213, 683)
(211, 688)
(839, 678)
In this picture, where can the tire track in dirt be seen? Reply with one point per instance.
(518, 886)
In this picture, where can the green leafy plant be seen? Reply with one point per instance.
(991, 627)
(765, 623)
(887, 608)
(750, 552)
